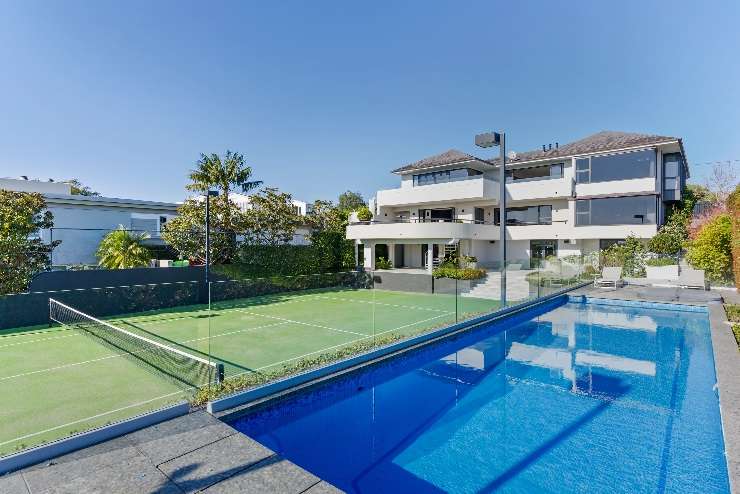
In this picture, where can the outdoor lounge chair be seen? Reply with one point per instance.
(610, 277)
(692, 278)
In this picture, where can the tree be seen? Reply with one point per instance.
(186, 232)
(78, 189)
(350, 201)
(223, 175)
(22, 252)
(121, 249)
(722, 180)
(711, 249)
(271, 219)
(328, 236)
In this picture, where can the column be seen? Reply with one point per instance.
(430, 258)
(392, 254)
(369, 256)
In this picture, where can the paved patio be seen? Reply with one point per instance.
(194, 453)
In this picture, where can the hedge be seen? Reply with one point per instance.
(329, 254)
(733, 205)
(711, 249)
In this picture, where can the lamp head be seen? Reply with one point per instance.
(488, 139)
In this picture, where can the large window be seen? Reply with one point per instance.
(622, 166)
(635, 210)
(530, 215)
(535, 173)
(444, 176)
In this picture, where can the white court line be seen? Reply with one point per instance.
(233, 332)
(40, 339)
(379, 303)
(299, 322)
(89, 418)
(339, 345)
(115, 355)
(60, 367)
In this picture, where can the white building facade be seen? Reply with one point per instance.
(80, 222)
(562, 200)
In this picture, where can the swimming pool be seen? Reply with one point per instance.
(570, 397)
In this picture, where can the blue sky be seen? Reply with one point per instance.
(325, 96)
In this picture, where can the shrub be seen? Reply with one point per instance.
(364, 214)
(329, 253)
(733, 312)
(121, 249)
(446, 271)
(661, 261)
(630, 256)
(383, 263)
(711, 249)
(671, 237)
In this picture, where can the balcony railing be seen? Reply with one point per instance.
(421, 220)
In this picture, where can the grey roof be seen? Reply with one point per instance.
(606, 140)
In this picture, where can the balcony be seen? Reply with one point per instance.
(462, 190)
(427, 230)
(527, 190)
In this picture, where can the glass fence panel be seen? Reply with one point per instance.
(82, 359)
(410, 302)
(480, 295)
(267, 328)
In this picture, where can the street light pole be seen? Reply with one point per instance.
(487, 140)
(502, 215)
(209, 194)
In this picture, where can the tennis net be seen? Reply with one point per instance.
(178, 365)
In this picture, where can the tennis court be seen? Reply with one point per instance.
(58, 381)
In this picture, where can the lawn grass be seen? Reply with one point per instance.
(57, 381)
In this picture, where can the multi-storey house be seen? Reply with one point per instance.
(561, 200)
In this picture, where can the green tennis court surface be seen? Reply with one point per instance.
(57, 381)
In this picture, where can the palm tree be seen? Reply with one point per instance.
(224, 174)
(121, 249)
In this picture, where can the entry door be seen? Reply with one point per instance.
(541, 250)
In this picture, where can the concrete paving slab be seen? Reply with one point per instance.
(134, 476)
(323, 488)
(79, 464)
(272, 475)
(168, 440)
(13, 484)
(214, 462)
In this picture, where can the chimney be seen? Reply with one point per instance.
(550, 147)
(543, 148)
(556, 145)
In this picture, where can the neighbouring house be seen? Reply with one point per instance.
(80, 222)
(562, 200)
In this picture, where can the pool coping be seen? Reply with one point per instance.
(727, 369)
(237, 404)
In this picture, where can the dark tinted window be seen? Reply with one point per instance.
(531, 215)
(616, 211)
(445, 176)
(624, 166)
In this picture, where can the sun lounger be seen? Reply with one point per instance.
(692, 278)
(610, 277)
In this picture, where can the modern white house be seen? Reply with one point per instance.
(562, 200)
(80, 222)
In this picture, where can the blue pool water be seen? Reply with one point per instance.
(576, 397)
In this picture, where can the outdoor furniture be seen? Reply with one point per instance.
(692, 278)
(610, 277)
